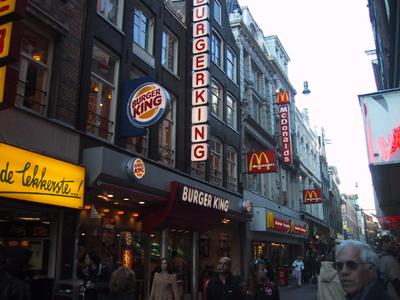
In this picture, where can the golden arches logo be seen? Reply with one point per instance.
(282, 97)
(259, 162)
(311, 196)
(270, 220)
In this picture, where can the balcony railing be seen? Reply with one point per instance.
(216, 177)
(99, 125)
(35, 101)
(167, 155)
(231, 183)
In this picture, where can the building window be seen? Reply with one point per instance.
(216, 50)
(102, 94)
(178, 8)
(169, 52)
(231, 112)
(217, 11)
(216, 99)
(111, 10)
(143, 30)
(166, 135)
(34, 71)
(216, 161)
(231, 64)
(199, 169)
(257, 109)
(231, 168)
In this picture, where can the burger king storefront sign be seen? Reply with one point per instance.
(146, 103)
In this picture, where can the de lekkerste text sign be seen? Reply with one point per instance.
(29, 176)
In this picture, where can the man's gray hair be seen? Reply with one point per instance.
(367, 254)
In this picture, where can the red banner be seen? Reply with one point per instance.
(286, 145)
(281, 225)
(300, 230)
(312, 196)
(261, 162)
(390, 222)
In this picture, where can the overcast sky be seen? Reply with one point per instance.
(326, 41)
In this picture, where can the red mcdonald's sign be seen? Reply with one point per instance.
(261, 162)
(312, 196)
(282, 97)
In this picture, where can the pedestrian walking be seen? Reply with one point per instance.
(329, 287)
(122, 285)
(11, 288)
(357, 266)
(259, 287)
(164, 284)
(298, 267)
(224, 285)
(389, 267)
(95, 276)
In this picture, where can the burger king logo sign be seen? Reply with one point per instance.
(147, 104)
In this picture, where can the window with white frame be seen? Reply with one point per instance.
(169, 52)
(102, 94)
(111, 10)
(231, 168)
(231, 111)
(166, 135)
(217, 12)
(143, 30)
(231, 64)
(34, 70)
(216, 157)
(216, 99)
(216, 49)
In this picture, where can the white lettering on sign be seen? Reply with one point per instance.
(199, 133)
(200, 79)
(195, 196)
(286, 146)
(200, 62)
(199, 114)
(200, 96)
(199, 152)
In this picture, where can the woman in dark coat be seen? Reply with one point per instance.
(259, 287)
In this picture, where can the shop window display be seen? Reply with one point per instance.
(118, 241)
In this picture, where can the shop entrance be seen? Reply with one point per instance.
(31, 239)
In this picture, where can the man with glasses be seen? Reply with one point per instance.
(356, 264)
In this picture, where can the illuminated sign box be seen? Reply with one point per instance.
(33, 177)
(381, 116)
(312, 196)
(261, 162)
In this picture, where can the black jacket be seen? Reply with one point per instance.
(11, 288)
(231, 290)
(267, 291)
(375, 291)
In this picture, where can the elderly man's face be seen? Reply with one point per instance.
(354, 275)
(224, 265)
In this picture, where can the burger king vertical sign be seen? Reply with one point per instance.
(200, 79)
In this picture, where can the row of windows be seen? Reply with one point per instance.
(216, 165)
(217, 57)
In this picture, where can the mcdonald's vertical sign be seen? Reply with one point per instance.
(200, 79)
(283, 100)
(10, 40)
(261, 162)
(312, 196)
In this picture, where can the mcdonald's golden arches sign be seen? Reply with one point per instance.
(261, 162)
(282, 97)
(312, 196)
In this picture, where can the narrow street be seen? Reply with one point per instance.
(292, 292)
